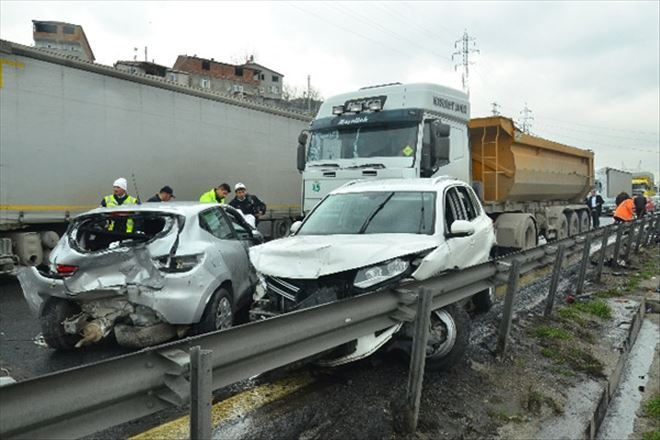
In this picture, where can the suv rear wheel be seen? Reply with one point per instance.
(55, 311)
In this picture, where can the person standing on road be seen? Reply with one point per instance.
(625, 211)
(640, 205)
(595, 204)
(216, 195)
(165, 194)
(120, 197)
(249, 204)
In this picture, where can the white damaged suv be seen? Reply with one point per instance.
(375, 234)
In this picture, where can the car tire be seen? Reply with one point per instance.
(54, 312)
(449, 335)
(218, 314)
(482, 302)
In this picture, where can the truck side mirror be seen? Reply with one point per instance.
(440, 138)
(302, 141)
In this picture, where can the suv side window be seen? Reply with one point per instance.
(467, 202)
(454, 209)
(214, 222)
(238, 223)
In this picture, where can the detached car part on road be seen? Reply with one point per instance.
(373, 235)
(145, 273)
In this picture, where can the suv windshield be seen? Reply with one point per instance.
(352, 142)
(373, 213)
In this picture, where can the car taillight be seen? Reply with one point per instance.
(66, 269)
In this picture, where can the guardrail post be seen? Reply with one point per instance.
(640, 234)
(603, 253)
(631, 237)
(554, 281)
(617, 246)
(585, 263)
(648, 239)
(507, 313)
(201, 386)
(418, 360)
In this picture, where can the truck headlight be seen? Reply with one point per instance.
(373, 275)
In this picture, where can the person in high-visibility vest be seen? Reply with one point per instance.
(120, 197)
(216, 195)
(625, 211)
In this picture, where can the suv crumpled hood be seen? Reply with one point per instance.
(313, 256)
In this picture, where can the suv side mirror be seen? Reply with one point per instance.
(257, 236)
(302, 141)
(461, 228)
(294, 227)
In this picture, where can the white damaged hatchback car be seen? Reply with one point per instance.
(145, 273)
(375, 234)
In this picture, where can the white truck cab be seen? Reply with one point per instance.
(383, 132)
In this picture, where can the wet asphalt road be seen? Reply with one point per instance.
(20, 356)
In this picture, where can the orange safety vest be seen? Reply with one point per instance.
(626, 210)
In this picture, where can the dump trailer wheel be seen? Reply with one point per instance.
(562, 228)
(449, 335)
(55, 311)
(585, 221)
(530, 234)
(218, 314)
(573, 223)
(281, 228)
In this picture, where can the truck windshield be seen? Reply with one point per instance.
(352, 142)
(373, 213)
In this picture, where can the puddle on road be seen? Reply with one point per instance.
(620, 418)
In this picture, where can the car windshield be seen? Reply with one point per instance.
(109, 230)
(373, 213)
(352, 142)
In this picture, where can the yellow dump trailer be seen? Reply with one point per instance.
(516, 167)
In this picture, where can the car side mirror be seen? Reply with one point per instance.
(294, 227)
(461, 228)
(257, 236)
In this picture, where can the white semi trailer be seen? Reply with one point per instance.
(528, 185)
(611, 182)
(69, 128)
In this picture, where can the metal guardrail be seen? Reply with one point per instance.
(84, 400)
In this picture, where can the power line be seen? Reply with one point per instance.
(355, 15)
(598, 143)
(559, 126)
(323, 19)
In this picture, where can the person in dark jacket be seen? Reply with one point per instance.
(595, 204)
(249, 204)
(620, 198)
(640, 205)
(165, 194)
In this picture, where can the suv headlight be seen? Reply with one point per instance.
(373, 275)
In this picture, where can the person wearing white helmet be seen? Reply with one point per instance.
(248, 203)
(120, 197)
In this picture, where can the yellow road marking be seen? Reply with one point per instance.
(11, 63)
(46, 207)
(230, 408)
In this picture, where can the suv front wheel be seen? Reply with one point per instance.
(449, 334)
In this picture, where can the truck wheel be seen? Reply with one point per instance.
(585, 221)
(55, 311)
(218, 314)
(483, 301)
(573, 223)
(281, 228)
(531, 236)
(449, 334)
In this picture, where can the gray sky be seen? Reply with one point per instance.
(589, 71)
